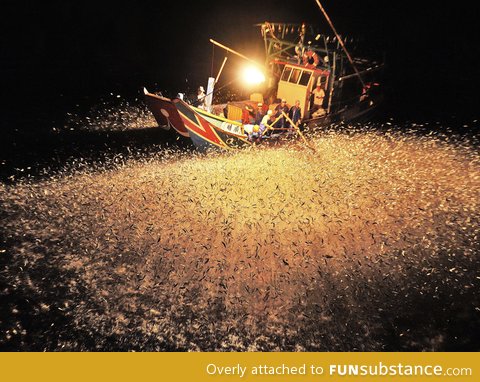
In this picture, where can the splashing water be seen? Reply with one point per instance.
(370, 243)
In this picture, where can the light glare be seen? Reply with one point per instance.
(253, 76)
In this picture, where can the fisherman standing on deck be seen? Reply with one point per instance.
(318, 97)
(201, 104)
(278, 112)
(295, 113)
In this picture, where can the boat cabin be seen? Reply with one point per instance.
(297, 83)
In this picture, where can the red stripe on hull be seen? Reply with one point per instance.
(198, 125)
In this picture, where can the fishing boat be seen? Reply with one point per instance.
(206, 130)
(315, 71)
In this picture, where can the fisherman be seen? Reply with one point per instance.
(257, 131)
(266, 120)
(281, 107)
(295, 113)
(259, 113)
(318, 98)
(256, 134)
(247, 114)
(201, 104)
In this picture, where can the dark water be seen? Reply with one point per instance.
(368, 243)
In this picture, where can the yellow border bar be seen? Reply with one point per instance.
(133, 367)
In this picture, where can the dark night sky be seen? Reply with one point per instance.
(55, 53)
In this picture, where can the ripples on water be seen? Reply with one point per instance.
(368, 243)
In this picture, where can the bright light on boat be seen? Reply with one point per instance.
(253, 76)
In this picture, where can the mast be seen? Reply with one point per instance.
(341, 42)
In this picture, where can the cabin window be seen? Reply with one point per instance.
(286, 73)
(304, 78)
(294, 77)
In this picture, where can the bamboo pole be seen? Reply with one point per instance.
(332, 83)
(235, 52)
(298, 131)
(270, 127)
(221, 68)
(341, 42)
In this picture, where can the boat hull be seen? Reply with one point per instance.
(165, 113)
(359, 112)
(204, 134)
